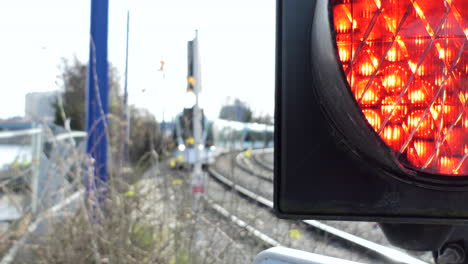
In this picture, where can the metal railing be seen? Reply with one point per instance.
(41, 172)
(51, 191)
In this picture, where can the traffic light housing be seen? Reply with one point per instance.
(191, 66)
(329, 161)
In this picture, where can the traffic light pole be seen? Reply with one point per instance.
(198, 181)
(197, 184)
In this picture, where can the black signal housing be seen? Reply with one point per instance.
(329, 164)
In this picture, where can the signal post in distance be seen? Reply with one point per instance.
(194, 85)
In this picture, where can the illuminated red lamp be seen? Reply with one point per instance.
(420, 153)
(407, 67)
(394, 136)
(420, 125)
(367, 95)
(393, 109)
(373, 118)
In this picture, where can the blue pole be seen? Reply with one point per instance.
(97, 94)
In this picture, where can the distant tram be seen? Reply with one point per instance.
(219, 136)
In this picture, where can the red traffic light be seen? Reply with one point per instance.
(406, 64)
(370, 119)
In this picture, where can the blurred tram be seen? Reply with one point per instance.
(219, 136)
(185, 139)
(233, 135)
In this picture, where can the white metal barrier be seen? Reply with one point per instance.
(36, 146)
(17, 133)
(70, 201)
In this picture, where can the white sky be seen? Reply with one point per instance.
(236, 39)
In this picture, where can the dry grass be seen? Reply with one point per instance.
(139, 219)
(136, 223)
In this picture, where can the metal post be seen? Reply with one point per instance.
(198, 181)
(125, 157)
(35, 167)
(97, 93)
(197, 135)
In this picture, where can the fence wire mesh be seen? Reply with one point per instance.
(148, 214)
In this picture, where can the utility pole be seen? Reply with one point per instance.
(97, 107)
(126, 119)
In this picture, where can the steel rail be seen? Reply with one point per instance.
(243, 167)
(256, 158)
(242, 224)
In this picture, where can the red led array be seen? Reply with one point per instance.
(406, 62)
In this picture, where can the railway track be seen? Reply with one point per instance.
(249, 167)
(258, 156)
(387, 254)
